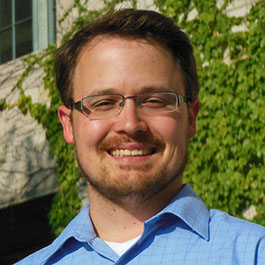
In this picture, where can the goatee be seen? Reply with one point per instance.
(134, 184)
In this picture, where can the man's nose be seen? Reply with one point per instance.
(130, 119)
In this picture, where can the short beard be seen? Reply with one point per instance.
(123, 193)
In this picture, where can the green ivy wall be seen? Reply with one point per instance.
(227, 156)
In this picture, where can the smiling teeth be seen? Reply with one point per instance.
(120, 153)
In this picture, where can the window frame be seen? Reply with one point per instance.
(43, 26)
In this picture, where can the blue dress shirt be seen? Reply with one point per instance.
(184, 232)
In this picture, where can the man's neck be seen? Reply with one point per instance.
(119, 223)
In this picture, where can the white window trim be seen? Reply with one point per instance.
(43, 23)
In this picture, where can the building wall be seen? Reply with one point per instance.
(26, 169)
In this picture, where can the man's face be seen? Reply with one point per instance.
(157, 144)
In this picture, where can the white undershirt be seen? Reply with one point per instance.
(122, 247)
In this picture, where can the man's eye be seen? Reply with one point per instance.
(154, 102)
(104, 105)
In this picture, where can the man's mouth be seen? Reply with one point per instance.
(135, 152)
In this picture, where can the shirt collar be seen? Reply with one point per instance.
(187, 206)
(79, 228)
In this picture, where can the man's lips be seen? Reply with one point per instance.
(134, 148)
(133, 152)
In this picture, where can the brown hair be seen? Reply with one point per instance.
(139, 24)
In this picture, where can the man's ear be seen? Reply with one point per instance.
(193, 108)
(64, 115)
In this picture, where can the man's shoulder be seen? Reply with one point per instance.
(37, 257)
(230, 226)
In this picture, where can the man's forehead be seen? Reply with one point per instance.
(143, 89)
(101, 45)
(125, 41)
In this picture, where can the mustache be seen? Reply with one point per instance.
(124, 139)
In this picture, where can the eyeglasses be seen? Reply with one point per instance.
(110, 105)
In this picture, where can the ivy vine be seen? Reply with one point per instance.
(227, 156)
(228, 153)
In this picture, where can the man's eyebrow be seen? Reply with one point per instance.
(145, 89)
(103, 91)
(148, 89)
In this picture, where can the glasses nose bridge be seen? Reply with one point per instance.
(124, 98)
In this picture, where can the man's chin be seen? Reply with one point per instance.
(123, 183)
(132, 187)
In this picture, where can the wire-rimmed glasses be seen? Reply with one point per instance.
(110, 105)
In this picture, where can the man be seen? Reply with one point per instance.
(129, 86)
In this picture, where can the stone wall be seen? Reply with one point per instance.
(26, 169)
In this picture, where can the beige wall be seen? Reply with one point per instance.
(26, 168)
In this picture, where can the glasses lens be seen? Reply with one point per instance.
(160, 102)
(108, 106)
(102, 106)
